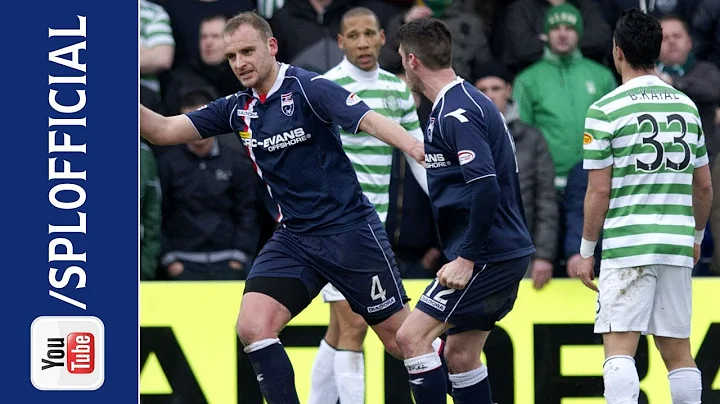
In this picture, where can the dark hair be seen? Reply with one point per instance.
(358, 12)
(639, 35)
(213, 17)
(429, 39)
(675, 17)
(193, 97)
(252, 19)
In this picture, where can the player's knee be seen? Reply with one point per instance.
(408, 340)
(253, 327)
(461, 359)
(352, 333)
(674, 352)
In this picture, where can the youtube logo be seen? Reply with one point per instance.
(67, 353)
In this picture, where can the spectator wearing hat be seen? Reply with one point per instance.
(524, 33)
(554, 93)
(535, 170)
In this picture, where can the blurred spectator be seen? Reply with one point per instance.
(267, 8)
(211, 70)
(157, 44)
(535, 170)
(525, 34)
(150, 213)
(307, 30)
(574, 207)
(612, 9)
(554, 94)
(210, 226)
(700, 80)
(706, 31)
(186, 15)
(470, 44)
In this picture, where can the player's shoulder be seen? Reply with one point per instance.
(336, 73)
(149, 6)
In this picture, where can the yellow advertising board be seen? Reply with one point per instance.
(545, 346)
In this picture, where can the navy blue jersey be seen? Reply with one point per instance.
(292, 138)
(467, 140)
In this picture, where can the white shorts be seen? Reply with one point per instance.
(331, 294)
(652, 299)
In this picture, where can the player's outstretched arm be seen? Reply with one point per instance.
(162, 130)
(393, 134)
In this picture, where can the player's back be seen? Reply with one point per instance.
(650, 133)
(467, 140)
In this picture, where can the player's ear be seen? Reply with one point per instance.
(382, 37)
(340, 41)
(273, 46)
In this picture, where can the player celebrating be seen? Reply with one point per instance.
(338, 370)
(473, 184)
(648, 191)
(288, 121)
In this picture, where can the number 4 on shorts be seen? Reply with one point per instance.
(376, 290)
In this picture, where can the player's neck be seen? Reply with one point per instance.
(264, 87)
(629, 74)
(436, 81)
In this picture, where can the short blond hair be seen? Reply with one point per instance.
(252, 19)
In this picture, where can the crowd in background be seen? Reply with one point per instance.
(203, 209)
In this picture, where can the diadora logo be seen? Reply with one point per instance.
(247, 113)
(280, 140)
(436, 160)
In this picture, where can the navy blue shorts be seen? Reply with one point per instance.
(359, 263)
(488, 297)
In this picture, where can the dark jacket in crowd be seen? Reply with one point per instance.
(470, 43)
(525, 21)
(537, 184)
(612, 9)
(308, 40)
(209, 203)
(575, 190)
(706, 31)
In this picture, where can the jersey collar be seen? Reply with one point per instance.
(445, 89)
(278, 81)
(358, 74)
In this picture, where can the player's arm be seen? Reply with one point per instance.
(393, 134)
(469, 139)
(210, 120)
(166, 130)
(702, 192)
(331, 102)
(598, 160)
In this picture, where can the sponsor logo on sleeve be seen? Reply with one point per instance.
(587, 138)
(466, 156)
(352, 99)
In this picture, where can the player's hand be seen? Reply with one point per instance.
(236, 265)
(541, 271)
(572, 265)
(417, 152)
(696, 254)
(456, 274)
(175, 269)
(586, 272)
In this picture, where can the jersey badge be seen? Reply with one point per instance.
(352, 99)
(391, 102)
(287, 105)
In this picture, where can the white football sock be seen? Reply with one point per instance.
(323, 389)
(622, 385)
(685, 386)
(350, 376)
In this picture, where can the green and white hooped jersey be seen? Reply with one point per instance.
(386, 94)
(651, 135)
